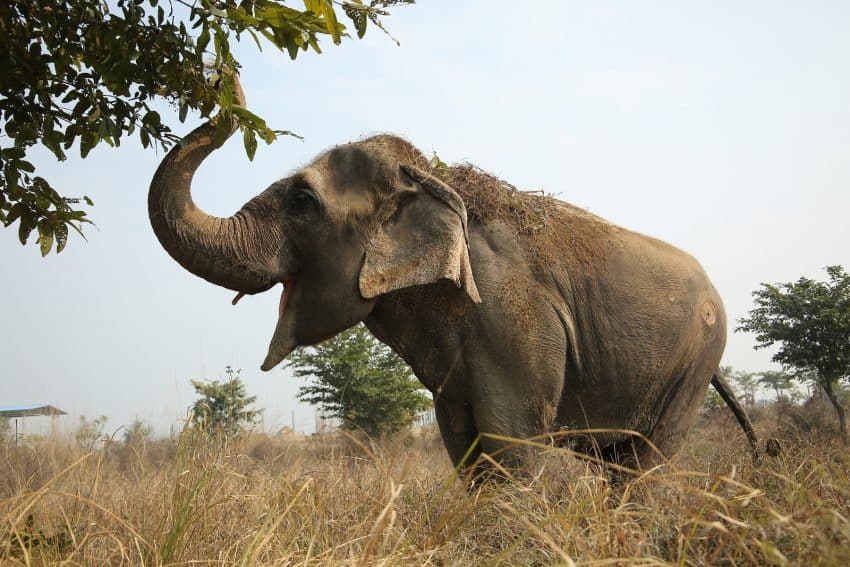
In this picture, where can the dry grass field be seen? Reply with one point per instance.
(327, 500)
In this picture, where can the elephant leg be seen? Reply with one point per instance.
(507, 426)
(677, 417)
(457, 428)
(505, 445)
(516, 390)
(495, 425)
(678, 413)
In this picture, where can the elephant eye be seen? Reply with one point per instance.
(303, 200)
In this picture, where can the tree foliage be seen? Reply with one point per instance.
(360, 381)
(809, 322)
(137, 433)
(224, 406)
(745, 382)
(780, 381)
(712, 401)
(89, 431)
(80, 73)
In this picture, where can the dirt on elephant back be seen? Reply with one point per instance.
(488, 198)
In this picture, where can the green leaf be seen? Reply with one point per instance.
(245, 116)
(70, 135)
(223, 128)
(334, 27)
(292, 49)
(52, 141)
(12, 153)
(87, 143)
(249, 138)
(256, 39)
(314, 6)
(152, 118)
(225, 96)
(25, 227)
(222, 45)
(61, 234)
(314, 44)
(203, 40)
(45, 238)
(16, 211)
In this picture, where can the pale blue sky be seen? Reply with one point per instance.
(721, 127)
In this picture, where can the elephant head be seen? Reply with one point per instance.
(356, 224)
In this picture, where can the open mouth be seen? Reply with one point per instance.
(283, 341)
(288, 285)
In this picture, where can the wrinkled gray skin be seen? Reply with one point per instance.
(581, 325)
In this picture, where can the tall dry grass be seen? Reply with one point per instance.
(263, 500)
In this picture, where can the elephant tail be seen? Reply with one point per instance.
(722, 386)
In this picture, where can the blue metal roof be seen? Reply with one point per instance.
(27, 411)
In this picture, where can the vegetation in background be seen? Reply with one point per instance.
(782, 384)
(224, 406)
(745, 383)
(6, 432)
(79, 73)
(360, 381)
(89, 431)
(712, 401)
(809, 322)
(137, 433)
(283, 500)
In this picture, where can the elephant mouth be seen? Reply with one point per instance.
(283, 340)
(288, 285)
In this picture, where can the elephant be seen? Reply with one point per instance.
(525, 316)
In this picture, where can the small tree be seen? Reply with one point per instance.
(360, 381)
(224, 406)
(89, 431)
(746, 383)
(712, 401)
(137, 433)
(780, 381)
(810, 321)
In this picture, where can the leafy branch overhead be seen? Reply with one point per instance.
(80, 73)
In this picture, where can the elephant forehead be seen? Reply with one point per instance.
(346, 180)
(351, 167)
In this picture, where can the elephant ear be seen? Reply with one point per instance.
(422, 239)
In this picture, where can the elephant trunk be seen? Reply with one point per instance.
(236, 252)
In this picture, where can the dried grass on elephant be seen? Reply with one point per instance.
(486, 197)
(489, 198)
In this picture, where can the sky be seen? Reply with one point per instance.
(721, 127)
